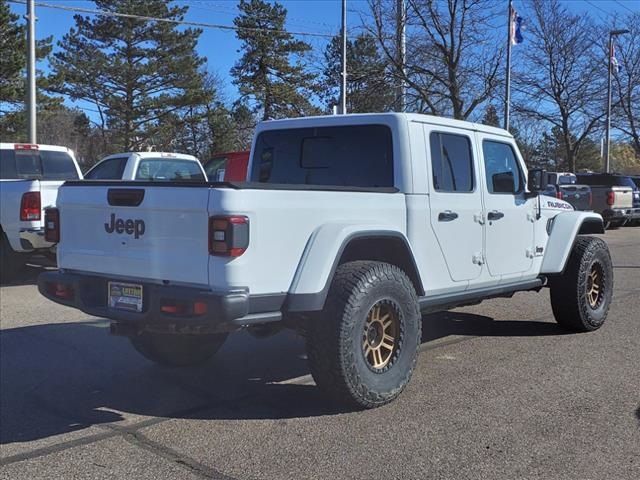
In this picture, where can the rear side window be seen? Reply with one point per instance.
(344, 156)
(451, 162)
(166, 170)
(37, 164)
(110, 169)
(501, 167)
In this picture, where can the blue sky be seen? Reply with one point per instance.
(317, 16)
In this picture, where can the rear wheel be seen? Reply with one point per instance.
(178, 350)
(581, 296)
(362, 348)
(11, 263)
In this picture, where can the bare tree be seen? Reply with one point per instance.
(453, 55)
(562, 80)
(627, 82)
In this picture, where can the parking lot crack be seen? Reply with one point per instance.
(139, 440)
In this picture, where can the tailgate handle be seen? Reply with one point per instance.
(125, 197)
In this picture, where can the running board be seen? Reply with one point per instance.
(470, 297)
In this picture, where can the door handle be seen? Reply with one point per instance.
(447, 216)
(495, 215)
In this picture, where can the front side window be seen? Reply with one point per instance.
(501, 167)
(451, 162)
(110, 169)
(342, 156)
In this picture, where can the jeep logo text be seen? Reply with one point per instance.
(129, 226)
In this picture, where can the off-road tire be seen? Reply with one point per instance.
(570, 291)
(335, 337)
(178, 350)
(11, 263)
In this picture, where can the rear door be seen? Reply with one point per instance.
(157, 233)
(455, 201)
(509, 233)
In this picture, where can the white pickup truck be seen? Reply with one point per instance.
(349, 227)
(148, 166)
(29, 179)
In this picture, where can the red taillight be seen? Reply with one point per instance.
(30, 206)
(52, 225)
(611, 198)
(61, 290)
(559, 195)
(228, 235)
(25, 146)
(183, 309)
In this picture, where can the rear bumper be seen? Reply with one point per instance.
(615, 214)
(33, 239)
(633, 213)
(225, 311)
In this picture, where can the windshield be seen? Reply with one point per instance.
(566, 179)
(169, 170)
(37, 165)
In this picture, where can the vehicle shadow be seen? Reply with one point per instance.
(68, 377)
(26, 276)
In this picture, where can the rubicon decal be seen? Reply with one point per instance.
(128, 226)
(561, 205)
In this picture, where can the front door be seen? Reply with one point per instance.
(509, 214)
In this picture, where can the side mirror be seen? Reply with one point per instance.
(503, 182)
(537, 180)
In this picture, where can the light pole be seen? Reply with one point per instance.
(31, 71)
(607, 134)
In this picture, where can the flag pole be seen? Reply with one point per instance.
(507, 96)
(343, 83)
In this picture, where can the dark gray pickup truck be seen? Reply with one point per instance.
(564, 187)
(614, 197)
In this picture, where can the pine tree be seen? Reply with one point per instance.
(368, 88)
(13, 65)
(491, 116)
(265, 74)
(136, 72)
(13, 60)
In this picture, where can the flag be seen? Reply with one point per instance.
(614, 60)
(516, 28)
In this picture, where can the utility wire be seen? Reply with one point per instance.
(624, 6)
(599, 8)
(169, 20)
(234, 11)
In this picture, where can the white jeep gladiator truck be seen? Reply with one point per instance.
(348, 228)
(148, 166)
(30, 176)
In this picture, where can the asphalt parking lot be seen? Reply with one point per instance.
(500, 392)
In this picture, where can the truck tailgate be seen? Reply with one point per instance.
(163, 238)
(623, 197)
(579, 196)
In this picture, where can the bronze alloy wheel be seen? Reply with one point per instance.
(595, 286)
(380, 336)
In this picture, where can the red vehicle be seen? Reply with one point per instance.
(228, 167)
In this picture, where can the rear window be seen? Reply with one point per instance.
(37, 164)
(169, 170)
(607, 180)
(344, 156)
